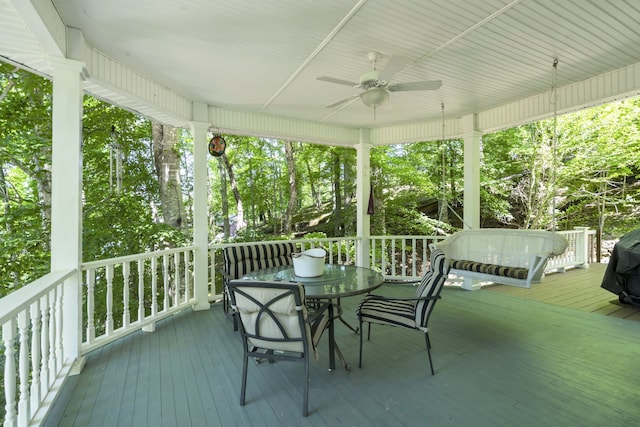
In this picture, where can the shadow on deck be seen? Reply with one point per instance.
(500, 360)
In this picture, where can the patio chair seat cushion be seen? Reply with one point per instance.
(386, 312)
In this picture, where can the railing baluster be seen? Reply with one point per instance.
(109, 319)
(23, 369)
(140, 290)
(414, 273)
(425, 256)
(59, 359)
(36, 396)
(126, 316)
(91, 287)
(44, 337)
(154, 286)
(8, 337)
(176, 278)
(165, 279)
(393, 257)
(52, 336)
(187, 276)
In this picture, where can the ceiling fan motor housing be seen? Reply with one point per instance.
(369, 79)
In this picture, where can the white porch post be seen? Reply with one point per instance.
(66, 197)
(471, 212)
(363, 187)
(472, 138)
(200, 207)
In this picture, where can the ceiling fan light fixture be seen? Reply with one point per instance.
(374, 97)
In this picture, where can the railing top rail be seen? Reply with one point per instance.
(136, 257)
(20, 298)
(421, 236)
(319, 239)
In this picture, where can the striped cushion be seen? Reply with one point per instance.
(385, 312)
(240, 260)
(496, 270)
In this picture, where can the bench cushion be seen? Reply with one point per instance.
(242, 259)
(496, 270)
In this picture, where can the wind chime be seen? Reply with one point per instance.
(115, 161)
(554, 142)
(443, 194)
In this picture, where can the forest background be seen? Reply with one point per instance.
(579, 169)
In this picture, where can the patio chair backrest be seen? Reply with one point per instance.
(272, 314)
(430, 286)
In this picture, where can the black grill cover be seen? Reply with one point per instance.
(622, 276)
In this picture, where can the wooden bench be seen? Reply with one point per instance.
(506, 256)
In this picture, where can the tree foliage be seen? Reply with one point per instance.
(578, 169)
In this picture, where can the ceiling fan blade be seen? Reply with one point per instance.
(338, 81)
(343, 101)
(395, 64)
(423, 85)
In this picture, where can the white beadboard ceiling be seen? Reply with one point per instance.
(262, 58)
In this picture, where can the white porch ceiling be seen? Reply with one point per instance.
(255, 63)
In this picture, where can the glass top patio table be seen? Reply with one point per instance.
(336, 281)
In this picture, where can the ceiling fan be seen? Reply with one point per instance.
(377, 83)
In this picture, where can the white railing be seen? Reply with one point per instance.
(579, 251)
(33, 336)
(401, 258)
(135, 292)
(126, 294)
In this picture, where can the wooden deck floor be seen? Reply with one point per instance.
(579, 289)
(500, 360)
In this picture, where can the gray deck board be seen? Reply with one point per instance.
(500, 360)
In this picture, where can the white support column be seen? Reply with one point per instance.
(66, 197)
(200, 210)
(471, 214)
(363, 188)
(472, 138)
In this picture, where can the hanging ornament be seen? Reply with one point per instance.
(217, 145)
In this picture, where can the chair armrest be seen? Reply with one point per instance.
(318, 311)
(226, 278)
(380, 297)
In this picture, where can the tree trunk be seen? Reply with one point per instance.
(240, 224)
(337, 195)
(293, 187)
(167, 163)
(224, 199)
(315, 195)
